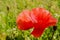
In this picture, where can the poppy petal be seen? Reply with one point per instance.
(52, 21)
(37, 32)
(24, 20)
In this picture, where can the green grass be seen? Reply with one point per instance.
(9, 9)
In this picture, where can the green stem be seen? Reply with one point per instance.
(52, 35)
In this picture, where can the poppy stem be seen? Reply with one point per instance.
(36, 38)
(54, 29)
(52, 35)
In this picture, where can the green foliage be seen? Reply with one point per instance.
(9, 9)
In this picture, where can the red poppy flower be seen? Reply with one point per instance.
(37, 18)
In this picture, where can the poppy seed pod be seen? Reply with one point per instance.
(54, 28)
(37, 18)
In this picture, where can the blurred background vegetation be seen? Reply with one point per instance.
(9, 9)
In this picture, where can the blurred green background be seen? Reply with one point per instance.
(9, 9)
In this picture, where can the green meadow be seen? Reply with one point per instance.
(9, 10)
